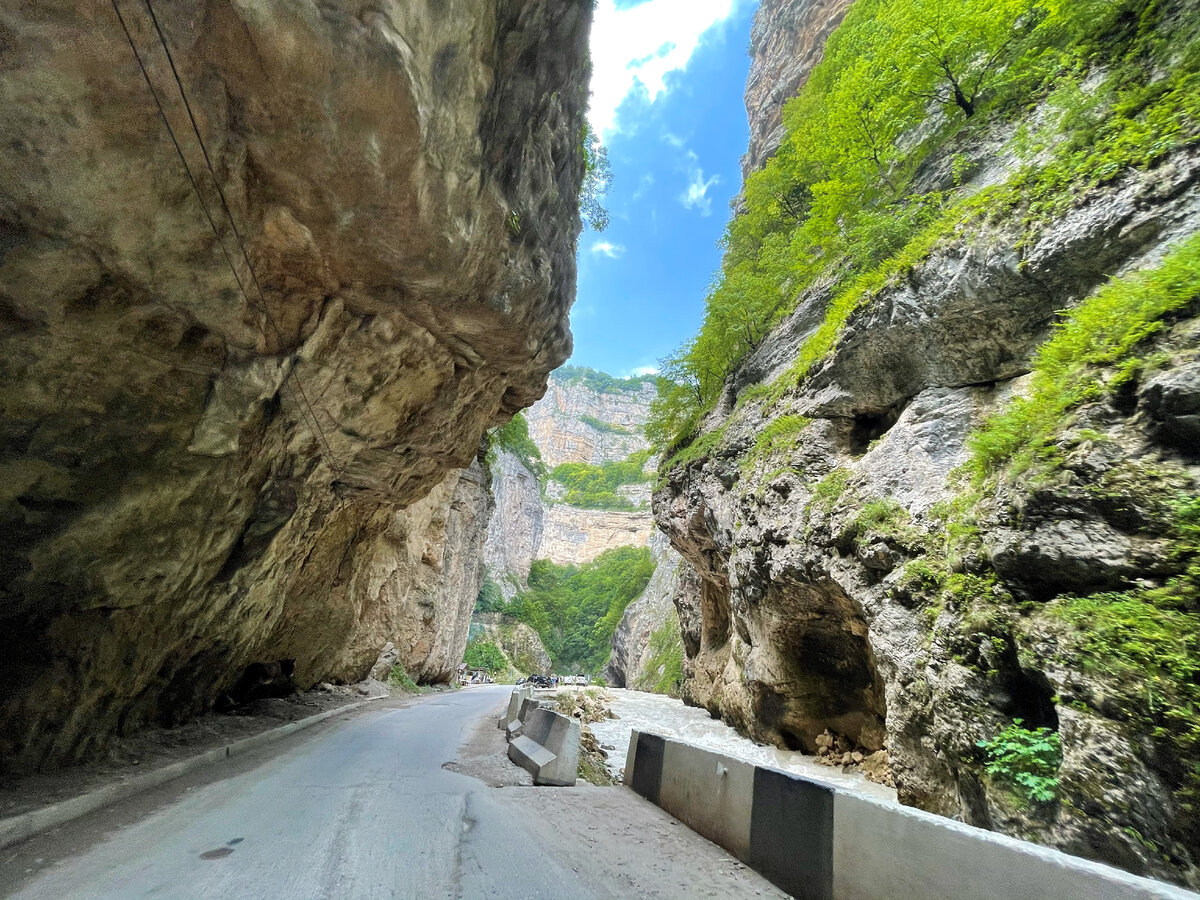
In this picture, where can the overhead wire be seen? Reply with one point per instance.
(314, 425)
(162, 38)
(305, 405)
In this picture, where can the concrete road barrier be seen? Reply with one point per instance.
(513, 711)
(528, 705)
(821, 842)
(547, 748)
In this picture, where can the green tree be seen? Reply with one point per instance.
(576, 609)
(597, 179)
(485, 655)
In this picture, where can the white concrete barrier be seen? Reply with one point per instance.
(821, 842)
(512, 712)
(547, 748)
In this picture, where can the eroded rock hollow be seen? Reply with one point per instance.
(255, 439)
(856, 562)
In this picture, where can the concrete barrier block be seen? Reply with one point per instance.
(515, 699)
(547, 748)
(528, 705)
(710, 793)
(822, 842)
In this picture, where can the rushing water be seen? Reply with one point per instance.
(671, 719)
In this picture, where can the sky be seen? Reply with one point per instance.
(667, 85)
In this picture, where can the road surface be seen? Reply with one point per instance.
(365, 809)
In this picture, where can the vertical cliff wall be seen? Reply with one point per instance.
(786, 41)
(969, 515)
(235, 386)
(585, 417)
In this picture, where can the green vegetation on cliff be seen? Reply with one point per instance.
(600, 382)
(1143, 642)
(840, 210)
(485, 655)
(576, 609)
(514, 437)
(1092, 353)
(595, 487)
(663, 672)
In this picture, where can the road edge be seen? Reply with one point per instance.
(17, 828)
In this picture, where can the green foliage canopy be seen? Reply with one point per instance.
(514, 437)
(595, 487)
(576, 609)
(485, 655)
(833, 216)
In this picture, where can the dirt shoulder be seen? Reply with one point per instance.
(624, 845)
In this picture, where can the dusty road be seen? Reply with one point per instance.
(365, 809)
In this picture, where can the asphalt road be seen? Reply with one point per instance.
(364, 810)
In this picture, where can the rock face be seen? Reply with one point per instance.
(199, 475)
(629, 664)
(517, 525)
(575, 536)
(525, 651)
(803, 606)
(818, 601)
(786, 41)
(575, 422)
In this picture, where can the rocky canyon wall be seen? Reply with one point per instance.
(632, 663)
(786, 41)
(844, 571)
(242, 399)
(573, 422)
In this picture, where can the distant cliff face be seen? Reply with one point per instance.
(200, 474)
(632, 663)
(586, 417)
(575, 422)
(517, 524)
(786, 41)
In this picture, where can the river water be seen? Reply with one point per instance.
(672, 719)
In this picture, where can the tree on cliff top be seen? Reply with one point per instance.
(597, 178)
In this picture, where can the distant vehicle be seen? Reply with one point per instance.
(542, 681)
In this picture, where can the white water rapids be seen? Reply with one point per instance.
(672, 719)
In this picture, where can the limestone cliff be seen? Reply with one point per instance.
(235, 442)
(585, 417)
(520, 644)
(514, 536)
(845, 570)
(632, 663)
(576, 421)
(785, 43)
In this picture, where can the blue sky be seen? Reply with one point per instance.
(667, 100)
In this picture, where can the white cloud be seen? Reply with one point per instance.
(612, 251)
(696, 195)
(635, 48)
(644, 370)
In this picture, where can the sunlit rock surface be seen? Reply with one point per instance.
(575, 423)
(800, 614)
(786, 41)
(197, 478)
